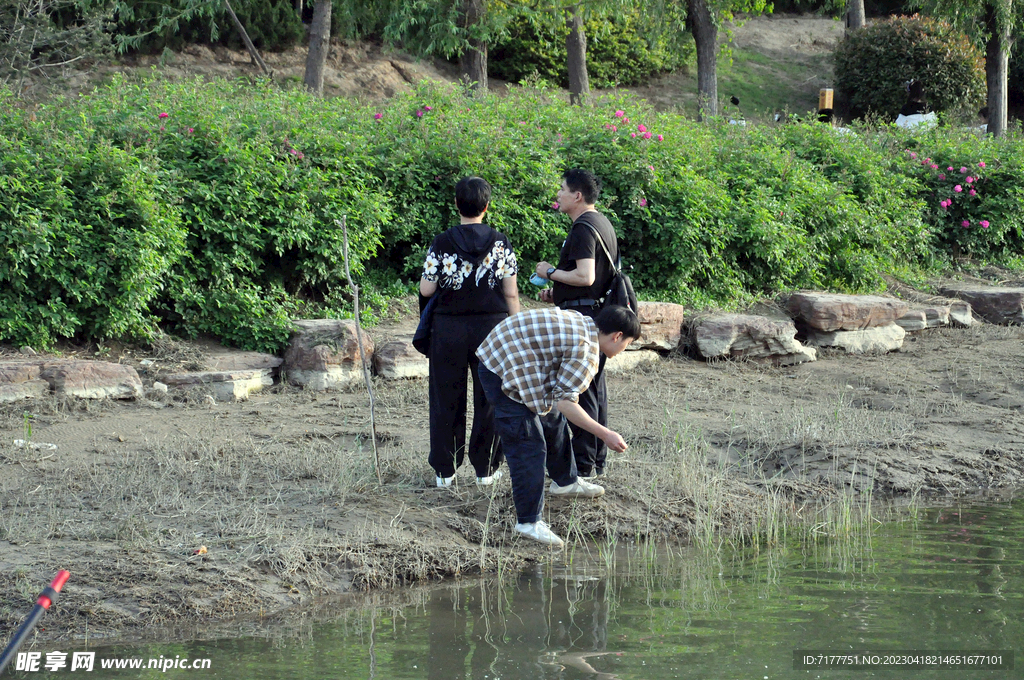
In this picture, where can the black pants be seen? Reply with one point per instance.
(589, 449)
(453, 344)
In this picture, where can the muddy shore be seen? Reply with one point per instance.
(282, 493)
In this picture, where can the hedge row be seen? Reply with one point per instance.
(214, 207)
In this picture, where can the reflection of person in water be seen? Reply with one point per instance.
(535, 629)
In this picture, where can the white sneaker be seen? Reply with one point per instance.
(445, 481)
(487, 481)
(579, 488)
(540, 532)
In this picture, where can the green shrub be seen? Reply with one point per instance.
(86, 236)
(873, 64)
(213, 207)
(617, 52)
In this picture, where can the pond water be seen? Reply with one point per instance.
(938, 580)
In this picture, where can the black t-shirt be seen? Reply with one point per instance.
(468, 262)
(912, 108)
(581, 244)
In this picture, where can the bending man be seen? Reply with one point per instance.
(533, 367)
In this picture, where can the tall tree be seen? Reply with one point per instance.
(576, 57)
(855, 17)
(473, 60)
(319, 46)
(991, 23)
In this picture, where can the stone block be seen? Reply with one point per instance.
(875, 339)
(835, 312)
(661, 325)
(397, 358)
(225, 385)
(623, 362)
(735, 336)
(324, 354)
(91, 379)
(995, 304)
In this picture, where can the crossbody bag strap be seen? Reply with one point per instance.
(600, 240)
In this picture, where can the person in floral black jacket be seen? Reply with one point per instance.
(472, 269)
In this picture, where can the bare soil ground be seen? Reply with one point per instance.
(281, 490)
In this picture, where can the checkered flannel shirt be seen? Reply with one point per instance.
(542, 356)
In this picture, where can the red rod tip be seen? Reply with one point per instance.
(60, 579)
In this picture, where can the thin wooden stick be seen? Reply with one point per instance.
(253, 52)
(362, 354)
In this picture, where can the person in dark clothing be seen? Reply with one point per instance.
(580, 280)
(472, 269)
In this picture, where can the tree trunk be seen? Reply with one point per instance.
(705, 35)
(473, 62)
(319, 46)
(576, 62)
(855, 18)
(997, 58)
(245, 38)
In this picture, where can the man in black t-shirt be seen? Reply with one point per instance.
(580, 281)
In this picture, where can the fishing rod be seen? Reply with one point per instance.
(43, 602)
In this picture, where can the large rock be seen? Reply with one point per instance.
(735, 336)
(875, 339)
(960, 314)
(834, 312)
(661, 324)
(225, 385)
(397, 358)
(624, 362)
(236, 360)
(91, 379)
(20, 380)
(924, 317)
(324, 354)
(995, 304)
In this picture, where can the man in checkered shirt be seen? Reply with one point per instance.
(533, 367)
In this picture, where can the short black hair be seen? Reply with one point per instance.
(472, 194)
(615, 319)
(584, 182)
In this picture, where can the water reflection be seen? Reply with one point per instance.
(534, 627)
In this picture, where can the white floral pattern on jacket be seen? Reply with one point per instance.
(498, 264)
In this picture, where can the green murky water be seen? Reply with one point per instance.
(942, 579)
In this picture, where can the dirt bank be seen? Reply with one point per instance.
(282, 493)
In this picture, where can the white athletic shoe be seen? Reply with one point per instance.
(488, 481)
(540, 532)
(580, 488)
(445, 481)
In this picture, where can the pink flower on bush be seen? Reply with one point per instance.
(913, 155)
(949, 169)
(934, 166)
(661, 138)
(378, 115)
(163, 115)
(963, 170)
(647, 135)
(428, 108)
(984, 224)
(632, 134)
(625, 120)
(554, 206)
(615, 128)
(981, 164)
(972, 192)
(620, 113)
(941, 176)
(419, 114)
(641, 128)
(651, 168)
(958, 188)
(643, 202)
(970, 179)
(946, 203)
(162, 128)
(190, 130)
(965, 223)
